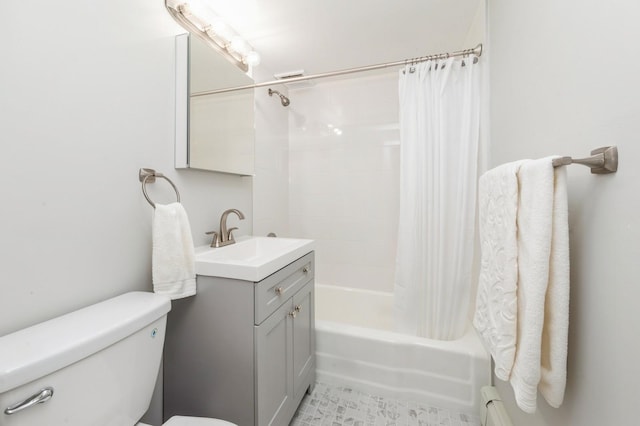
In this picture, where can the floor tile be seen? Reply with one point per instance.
(336, 405)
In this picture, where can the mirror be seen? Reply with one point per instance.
(213, 132)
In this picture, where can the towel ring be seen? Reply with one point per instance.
(149, 176)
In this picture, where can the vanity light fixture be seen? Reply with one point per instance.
(200, 20)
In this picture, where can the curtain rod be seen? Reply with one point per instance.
(477, 51)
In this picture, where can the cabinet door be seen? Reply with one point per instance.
(274, 390)
(303, 338)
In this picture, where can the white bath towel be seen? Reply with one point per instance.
(173, 259)
(556, 311)
(536, 266)
(496, 303)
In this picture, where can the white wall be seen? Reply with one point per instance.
(477, 30)
(344, 187)
(87, 99)
(564, 80)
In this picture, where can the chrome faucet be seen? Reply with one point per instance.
(225, 237)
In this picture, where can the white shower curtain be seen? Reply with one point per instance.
(439, 134)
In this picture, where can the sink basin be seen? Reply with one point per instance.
(250, 258)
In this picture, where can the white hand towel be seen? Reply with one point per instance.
(535, 227)
(556, 311)
(173, 259)
(496, 303)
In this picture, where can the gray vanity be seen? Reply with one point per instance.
(243, 348)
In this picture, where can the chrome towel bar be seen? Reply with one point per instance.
(602, 161)
(149, 176)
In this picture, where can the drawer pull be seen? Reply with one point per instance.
(278, 290)
(305, 269)
(295, 311)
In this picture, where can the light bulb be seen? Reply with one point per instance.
(222, 30)
(239, 45)
(202, 11)
(195, 14)
(252, 58)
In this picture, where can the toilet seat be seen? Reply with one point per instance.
(192, 421)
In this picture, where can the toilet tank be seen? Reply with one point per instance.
(101, 362)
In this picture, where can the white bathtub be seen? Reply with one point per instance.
(355, 346)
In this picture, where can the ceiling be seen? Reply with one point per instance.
(327, 35)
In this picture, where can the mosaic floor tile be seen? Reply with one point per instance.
(332, 405)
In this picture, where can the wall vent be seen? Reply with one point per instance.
(297, 84)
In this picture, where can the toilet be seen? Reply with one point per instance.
(95, 366)
(192, 421)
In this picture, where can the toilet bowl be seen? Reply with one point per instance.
(94, 366)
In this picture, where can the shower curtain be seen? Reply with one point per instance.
(439, 134)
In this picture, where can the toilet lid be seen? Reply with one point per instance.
(195, 421)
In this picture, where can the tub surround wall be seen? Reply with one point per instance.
(343, 163)
(344, 187)
(564, 80)
(271, 181)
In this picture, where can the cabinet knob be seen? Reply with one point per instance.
(293, 314)
(298, 308)
(305, 269)
(278, 290)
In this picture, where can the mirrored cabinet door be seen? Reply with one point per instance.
(213, 132)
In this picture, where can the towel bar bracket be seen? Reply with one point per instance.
(603, 160)
(149, 176)
(609, 162)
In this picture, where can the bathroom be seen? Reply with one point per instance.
(88, 98)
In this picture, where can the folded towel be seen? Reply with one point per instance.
(173, 259)
(496, 303)
(556, 311)
(542, 269)
(534, 246)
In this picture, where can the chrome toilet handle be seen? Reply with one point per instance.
(43, 396)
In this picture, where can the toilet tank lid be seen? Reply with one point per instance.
(39, 350)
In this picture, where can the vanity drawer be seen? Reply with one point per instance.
(278, 287)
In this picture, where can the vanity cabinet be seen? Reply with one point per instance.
(243, 351)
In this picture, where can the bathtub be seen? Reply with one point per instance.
(355, 346)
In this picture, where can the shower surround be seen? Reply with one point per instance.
(344, 177)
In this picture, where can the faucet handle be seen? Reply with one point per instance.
(229, 235)
(215, 240)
